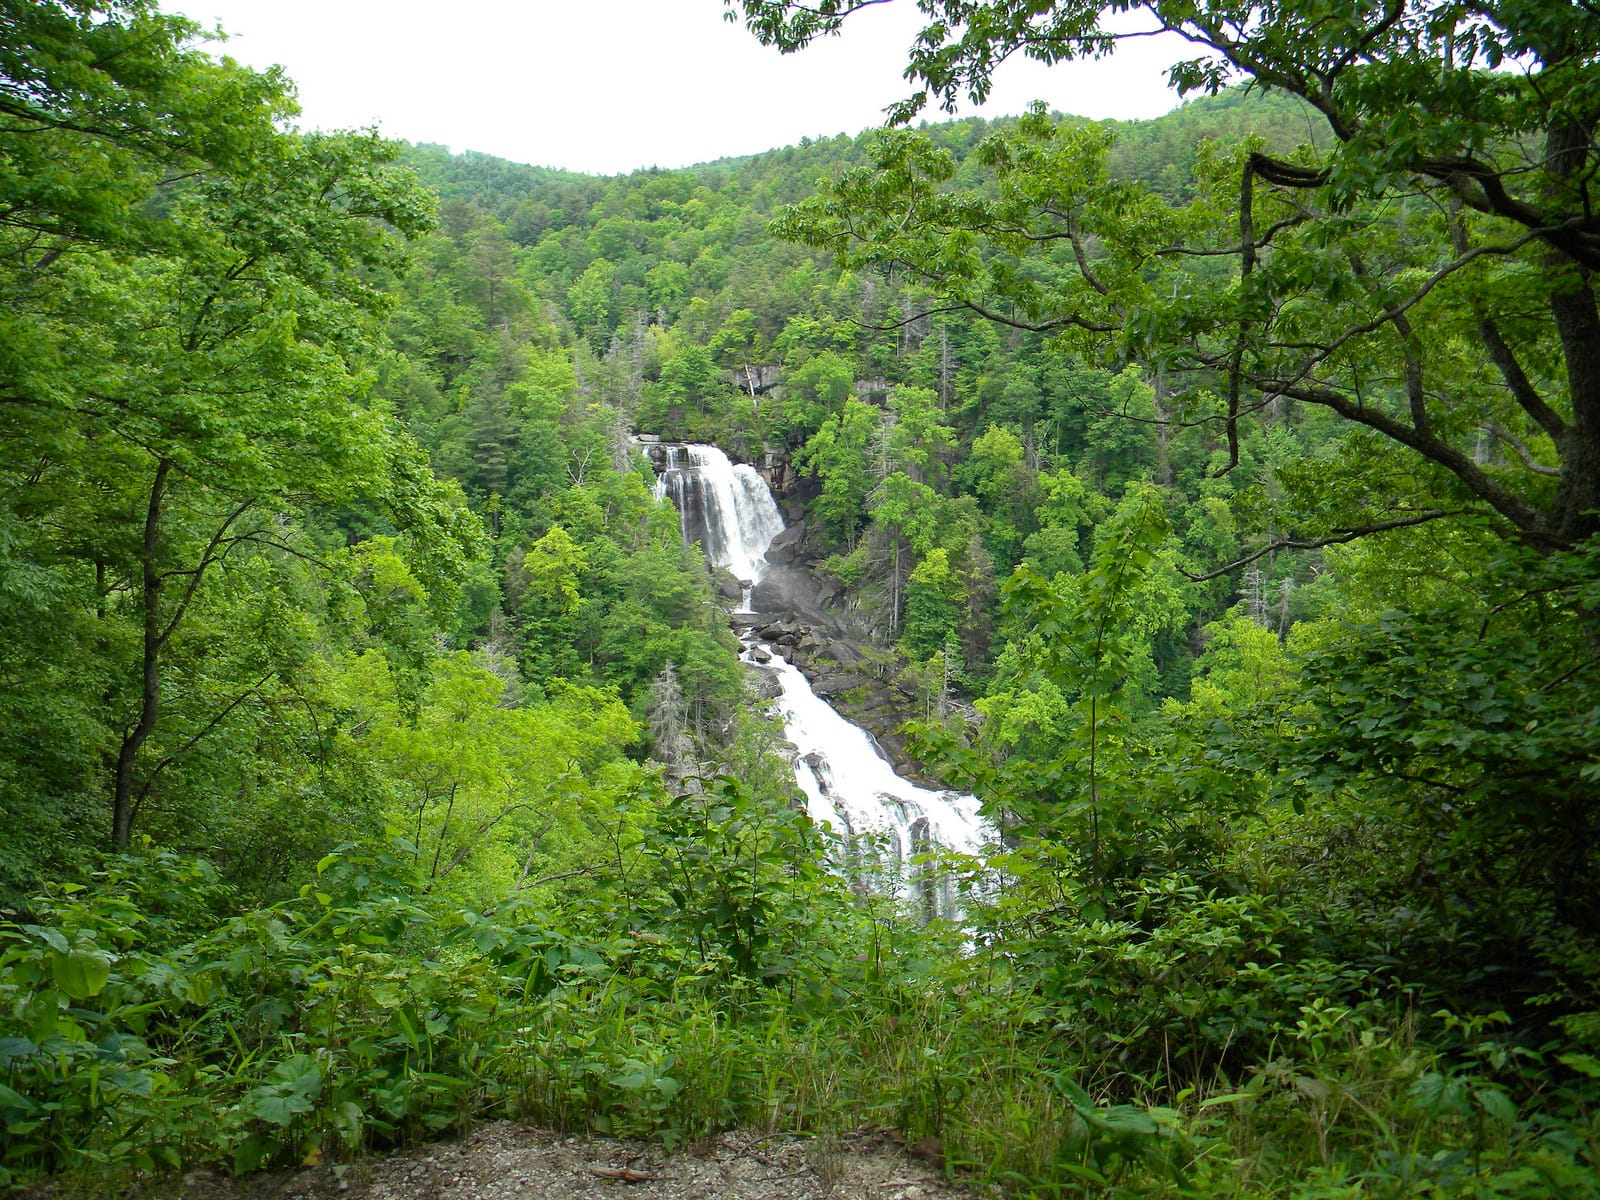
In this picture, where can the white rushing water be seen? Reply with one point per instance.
(851, 786)
(848, 783)
(726, 507)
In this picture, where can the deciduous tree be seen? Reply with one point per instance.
(1425, 273)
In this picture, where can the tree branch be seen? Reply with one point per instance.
(1072, 322)
(1333, 539)
(1500, 352)
(1483, 485)
(195, 740)
(1247, 264)
(1522, 451)
(207, 559)
(1084, 269)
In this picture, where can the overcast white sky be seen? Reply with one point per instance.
(607, 86)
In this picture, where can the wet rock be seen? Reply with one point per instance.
(846, 654)
(767, 684)
(798, 594)
(787, 547)
(778, 631)
(875, 700)
(728, 587)
(832, 685)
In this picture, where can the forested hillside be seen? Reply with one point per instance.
(375, 756)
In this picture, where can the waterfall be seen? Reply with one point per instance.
(728, 509)
(852, 787)
(848, 783)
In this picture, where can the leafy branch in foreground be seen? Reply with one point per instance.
(1448, 212)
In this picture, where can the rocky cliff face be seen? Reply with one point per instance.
(801, 614)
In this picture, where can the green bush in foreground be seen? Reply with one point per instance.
(728, 981)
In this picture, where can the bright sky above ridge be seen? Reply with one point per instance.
(608, 86)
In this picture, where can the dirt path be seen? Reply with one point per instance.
(505, 1161)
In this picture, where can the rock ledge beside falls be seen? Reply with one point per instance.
(799, 612)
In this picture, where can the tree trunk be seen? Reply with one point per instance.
(894, 590)
(122, 813)
(1572, 303)
(1578, 323)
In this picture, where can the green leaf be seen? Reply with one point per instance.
(277, 1108)
(81, 973)
(1230, 1098)
(53, 937)
(1073, 1091)
(1124, 1119)
(1584, 1064)
(15, 1047)
(1497, 1105)
(351, 1117)
(1083, 1171)
(253, 1151)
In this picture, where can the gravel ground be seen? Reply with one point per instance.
(505, 1161)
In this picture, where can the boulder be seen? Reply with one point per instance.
(876, 700)
(728, 587)
(832, 685)
(840, 651)
(767, 685)
(797, 593)
(828, 591)
(787, 546)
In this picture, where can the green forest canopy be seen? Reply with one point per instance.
(1218, 491)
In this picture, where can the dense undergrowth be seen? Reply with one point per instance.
(1262, 1041)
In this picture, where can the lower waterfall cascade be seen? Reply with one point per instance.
(849, 784)
(851, 787)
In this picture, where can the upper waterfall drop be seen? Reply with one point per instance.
(726, 507)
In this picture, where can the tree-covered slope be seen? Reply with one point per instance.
(374, 755)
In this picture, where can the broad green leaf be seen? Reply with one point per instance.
(81, 973)
(15, 1047)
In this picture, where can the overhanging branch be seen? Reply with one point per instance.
(1332, 539)
(1480, 482)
